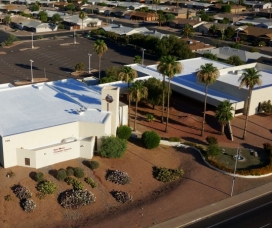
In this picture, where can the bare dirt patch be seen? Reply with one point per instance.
(26, 82)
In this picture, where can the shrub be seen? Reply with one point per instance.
(78, 172)
(150, 139)
(150, 117)
(91, 182)
(211, 140)
(118, 177)
(61, 175)
(167, 175)
(39, 177)
(73, 199)
(93, 165)
(77, 185)
(10, 174)
(8, 198)
(46, 187)
(39, 37)
(213, 150)
(254, 49)
(40, 195)
(123, 132)
(174, 139)
(121, 197)
(28, 205)
(55, 37)
(60, 26)
(79, 67)
(70, 180)
(112, 147)
(21, 192)
(70, 171)
(261, 43)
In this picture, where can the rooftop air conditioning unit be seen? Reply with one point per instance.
(238, 72)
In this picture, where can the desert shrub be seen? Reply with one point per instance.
(77, 185)
(70, 180)
(61, 175)
(190, 144)
(167, 175)
(78, 172)
(21, 192)
(174, 139)
(70, 171)
(39, 37)
(112, 147)
(211, 140)
(150, 117)
(213, 150)
(91, 182)
(61, 26)
(150, 139)
(40, 195)
(73, 199)
(79, 67)
(123, 132)
(118, 177)
(28, 205)
(93, 165)
(39, 177)
(121, 197)
(8, 198)
(46, 187)
(10, 174)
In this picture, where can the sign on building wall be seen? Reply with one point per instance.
(61, 150)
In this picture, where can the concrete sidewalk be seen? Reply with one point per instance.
(216, 208)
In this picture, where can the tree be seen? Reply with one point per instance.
(250, 78)
(235, 60)
(157, 2)
(56, 18)
(137, 59)
(213, 29)
(210, 56)
(100, 47)
(35, 7)
(70, 7)
(204, 16)
(112, 147)
(223, 114)
(161, 19)
(225, 20)
(82, 16)
(207, 75)
(169, 67)
(266, 106)
(127, 74)
(229, 32)
(137, 91)
(43, 16)
(79, 67)
(7, 20)
(187, 31)
(169, 17)
(226, 8)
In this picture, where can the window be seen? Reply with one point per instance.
(27, 161)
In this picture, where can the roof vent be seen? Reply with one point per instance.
(81, 111)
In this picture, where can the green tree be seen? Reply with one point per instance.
(161, 19)
(82, 16)
(225, 20)
(213, 29)
(137, 59)
(127, 74)
(156, 2)
(266, 106)
(79, 67)
(100, 47)
(223, 114)
(138, 91)
(226, 8)
(170, 67)
(210, 56)
(169, 17)
(43, 16)
(204, 16)
(70, 7)
(112, 147)
(7, 20)
(250, 78)
(235, 60)
(187, 31)
(56, 18)
(207, 75)
(35, 7)
(229, 32)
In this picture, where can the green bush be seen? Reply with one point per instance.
(78, 172)
(79, 67)
(123, 132)
(62, 174)
(174, 139)
(91, 182)
(77, 185)
(60, 26)
(70, 171)
(213, 150)
(8, 198)
(39, 177)
(70, 180)
(211, 140)
(150, 139)
(112, 147)
(93, 165)
(46, 187)
(167, 175)
(150, 117)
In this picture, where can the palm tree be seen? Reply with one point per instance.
(187, 31)
(137, 91)
(127, 74)
(82, 16)
(249, 79)
(223, 114)
(137, 59)
(169, 68)
(213, 29)
(100, 47)
(161, 19)
(207, 75)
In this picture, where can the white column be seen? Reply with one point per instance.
(31, 61)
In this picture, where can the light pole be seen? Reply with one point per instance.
(233, 178)
(90, 55)
(32, 40)
(143, 56)
(238, 30)
(74, 36)
(31, 61)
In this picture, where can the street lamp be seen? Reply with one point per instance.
(234, 173)
(32, 40)
(143, 56)
(74, 36)
(31, 61)
(90, 55)
(109, 100)
(238, 30)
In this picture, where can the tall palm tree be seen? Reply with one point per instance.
(207, 75)
(138, 91)
(137, 59)
(187, 31)
(127, 74)
(100, 47)
(170, 69)
(223, 114)
(250, 78)
(82, 16)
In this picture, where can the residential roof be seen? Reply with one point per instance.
(186, 21)
(142, 14)
(123, 30)
(33, 107)
(255, 31)
(195, 45)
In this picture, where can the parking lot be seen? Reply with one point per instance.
(56, 61)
